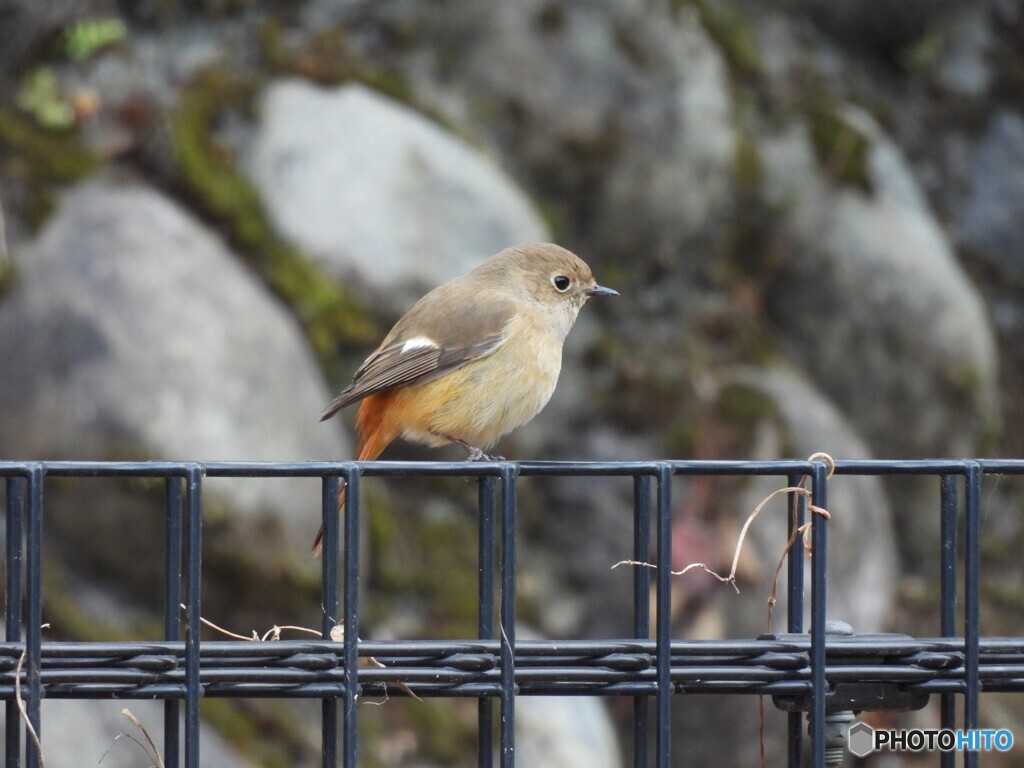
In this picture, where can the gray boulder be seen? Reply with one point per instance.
(132, 332)
(370, 187)
(565, 732)
(85, 733)
(871, 300)
(150, 340)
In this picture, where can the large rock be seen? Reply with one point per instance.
(675, 170)
(369, 186)
(618, 113)
(132, 332)
(151, 341)
(565, 732)
(870, 299)
(86, 733)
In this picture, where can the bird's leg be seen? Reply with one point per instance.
(475, 454)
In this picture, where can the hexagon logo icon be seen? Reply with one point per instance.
(860, 739)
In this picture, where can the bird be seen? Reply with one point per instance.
(473, 359)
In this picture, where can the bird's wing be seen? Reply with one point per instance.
(437, 335)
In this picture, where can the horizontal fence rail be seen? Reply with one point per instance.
(801, 669)
(290, 668)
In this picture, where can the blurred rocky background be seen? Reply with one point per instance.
(213, 209)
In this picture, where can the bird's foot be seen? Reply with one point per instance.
(475, 454)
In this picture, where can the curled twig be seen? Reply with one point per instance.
(803, 530)
(337, 635)
(149, 747)
(23, 710)
(272, 634)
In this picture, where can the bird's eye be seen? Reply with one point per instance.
(561, 283)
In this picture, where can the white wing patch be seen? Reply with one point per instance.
(416, 342)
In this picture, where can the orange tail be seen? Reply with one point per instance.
(374, 437)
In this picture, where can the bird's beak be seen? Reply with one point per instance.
(600, 290)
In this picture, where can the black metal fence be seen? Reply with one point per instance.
(802, 669)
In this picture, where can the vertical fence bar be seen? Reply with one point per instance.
(795, 560)
(948, 492)
(508, 615)
(350, 735)
(485, 576)
(15, 549)
(819, 560)
(663, 617)
(34, 609)
(329, 488)
(172, 608)
(641, 603)
(193, 605)
(972, 578)
(795, 607)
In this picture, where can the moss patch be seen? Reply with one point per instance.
(733, 34)
(68, 620)
(327, 57)
(333, 319)
(841, 150)
(7, 274)
(265, 727)
(426, 554)
(550, 19)
(744, 406)
(37, 161)
(748, 167)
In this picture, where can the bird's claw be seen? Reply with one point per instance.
(475, 454)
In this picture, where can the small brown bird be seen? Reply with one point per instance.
(474, 358)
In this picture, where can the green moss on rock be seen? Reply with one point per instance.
(732, 32)
(333, 318)
(744, 406)
(266, 728)
(7, 275)
(37, 161)
(841, 149)
(427, 554)
(748, 166)
(57, 156)
(550, 19)
(327, 57)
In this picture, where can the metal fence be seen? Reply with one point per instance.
(804, 669)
